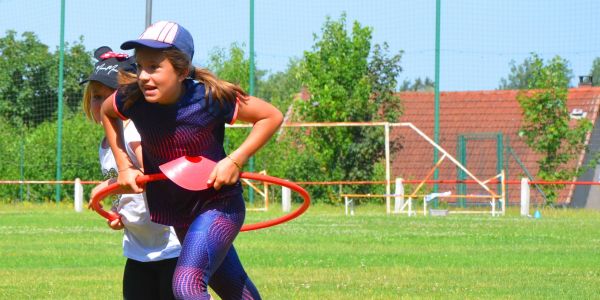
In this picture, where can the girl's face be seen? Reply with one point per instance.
(157, 78)
(99, 93)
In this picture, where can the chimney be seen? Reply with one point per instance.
(586, 81)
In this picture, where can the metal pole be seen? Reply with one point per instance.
(148, 13)
(61, 64)
(251, 88)
(436, 125)
(21, 163)
(499, 157)
(387, 167)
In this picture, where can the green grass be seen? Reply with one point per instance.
(50, 252)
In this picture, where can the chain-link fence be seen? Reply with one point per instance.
(485, 55)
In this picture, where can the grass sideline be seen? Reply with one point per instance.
(50, 252)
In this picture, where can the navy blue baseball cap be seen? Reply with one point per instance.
(164, 35)
(108, 66)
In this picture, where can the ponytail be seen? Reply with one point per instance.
(219, 89)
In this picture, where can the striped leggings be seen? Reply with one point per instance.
(208, 257)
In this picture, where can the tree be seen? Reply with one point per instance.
(546, 121)
(78, 64)
(282, 87)
(419, 85)
(595, 71)
(233, 66)
(25, 88)
(344, 86)
(521, 76)
(29, 78)
(383, 73)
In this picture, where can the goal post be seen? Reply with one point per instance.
(387, 126)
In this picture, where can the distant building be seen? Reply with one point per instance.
(481, 128)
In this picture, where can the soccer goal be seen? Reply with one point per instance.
(415, 192)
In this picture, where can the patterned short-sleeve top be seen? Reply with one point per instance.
(194, 125)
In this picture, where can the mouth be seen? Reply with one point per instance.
(149, 90)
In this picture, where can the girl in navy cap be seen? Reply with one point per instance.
(151, 249)
(178, 116)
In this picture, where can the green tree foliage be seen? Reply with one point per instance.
(383, 73)
(37, 146)
(522, 75)
(546, 121)
(344, 87)
(418, 85)
(29, 78)
(595, 71)
(283, 87)
(233, 66)
(25, 86)
(28, 105)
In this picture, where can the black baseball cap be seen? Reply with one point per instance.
(108, 66)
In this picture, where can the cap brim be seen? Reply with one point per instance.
(144, 43)
(113, 84)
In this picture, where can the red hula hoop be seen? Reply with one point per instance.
(110, 215)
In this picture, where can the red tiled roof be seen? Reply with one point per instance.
(470, 113)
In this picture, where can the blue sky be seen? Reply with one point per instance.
(479, 38)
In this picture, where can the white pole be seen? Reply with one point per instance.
(387, 167)
(286, 199)
(78, 197)
(525, 196)
(346, 204)
(399, 198)
(503, 193)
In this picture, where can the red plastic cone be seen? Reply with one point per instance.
(189, 172)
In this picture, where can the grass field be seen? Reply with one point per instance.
(50, 252)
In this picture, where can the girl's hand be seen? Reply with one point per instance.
(97, 189)
(94, 192)
(116, 224)
(127, 178)
(226, 172)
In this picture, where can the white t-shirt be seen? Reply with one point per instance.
(143, 240)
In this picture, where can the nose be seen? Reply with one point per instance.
(143, 75)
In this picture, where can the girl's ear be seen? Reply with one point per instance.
(181, 77)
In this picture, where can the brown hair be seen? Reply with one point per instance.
(219, 89)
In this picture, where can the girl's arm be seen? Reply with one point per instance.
(266, 119)
(137, 149)
(113, 128)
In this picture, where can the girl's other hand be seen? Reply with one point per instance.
(224, 173)
(127, 178)
(97, 189)
(116, 224)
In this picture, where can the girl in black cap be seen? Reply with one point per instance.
(151, 249)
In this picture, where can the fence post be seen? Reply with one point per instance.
(399, 195)
(525, 195)
(78, 197)
(286, 199)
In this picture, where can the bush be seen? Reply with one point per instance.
(37, 146)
